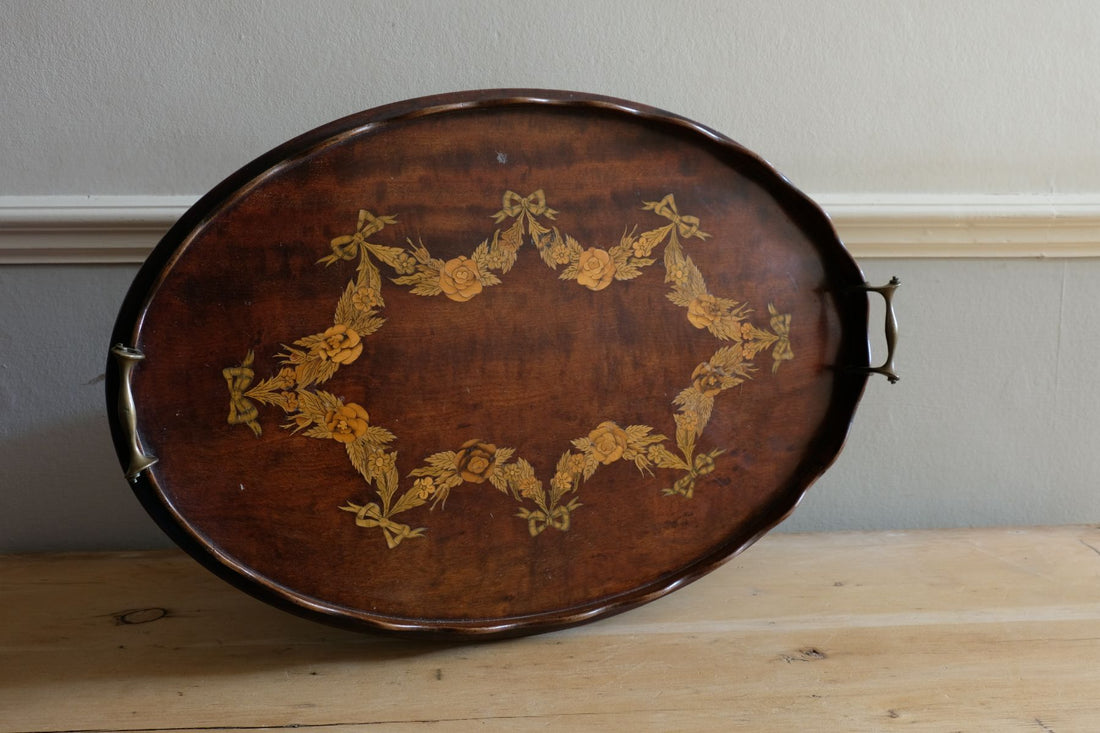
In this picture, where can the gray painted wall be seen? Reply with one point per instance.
(995, 419)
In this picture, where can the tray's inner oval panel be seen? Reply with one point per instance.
(489, 363)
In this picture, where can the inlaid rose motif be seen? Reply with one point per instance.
(707, 378)
(339, 344)
(608, 442)
(704, 310)
(474, 461)
(596, 269)
(460, 279)
(347, 423)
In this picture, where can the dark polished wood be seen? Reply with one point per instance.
(522, 362)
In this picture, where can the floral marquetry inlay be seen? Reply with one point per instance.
(484, 461)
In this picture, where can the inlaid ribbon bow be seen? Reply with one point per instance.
(241, 409)
(370, 515)
(704, 464)
(781, 324)
(514, 205)
(347, 246)
(688, 226)
(538, 520)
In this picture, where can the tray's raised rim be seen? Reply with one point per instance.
(143, 289)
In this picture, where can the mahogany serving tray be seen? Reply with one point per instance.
(487, 363)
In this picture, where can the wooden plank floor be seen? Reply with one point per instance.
(960, 630)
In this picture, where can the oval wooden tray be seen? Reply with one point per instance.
(487, 363)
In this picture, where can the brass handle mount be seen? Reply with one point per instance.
(127, 359)
(887, 293)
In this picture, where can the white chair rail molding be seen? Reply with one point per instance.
(123, 229)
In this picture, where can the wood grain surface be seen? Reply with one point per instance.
(960, 630)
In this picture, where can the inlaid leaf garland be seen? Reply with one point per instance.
(312, 360)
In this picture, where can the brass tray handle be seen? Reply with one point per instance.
(887, 293)
(127, 358)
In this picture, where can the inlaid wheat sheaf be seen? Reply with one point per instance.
(314, 359)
